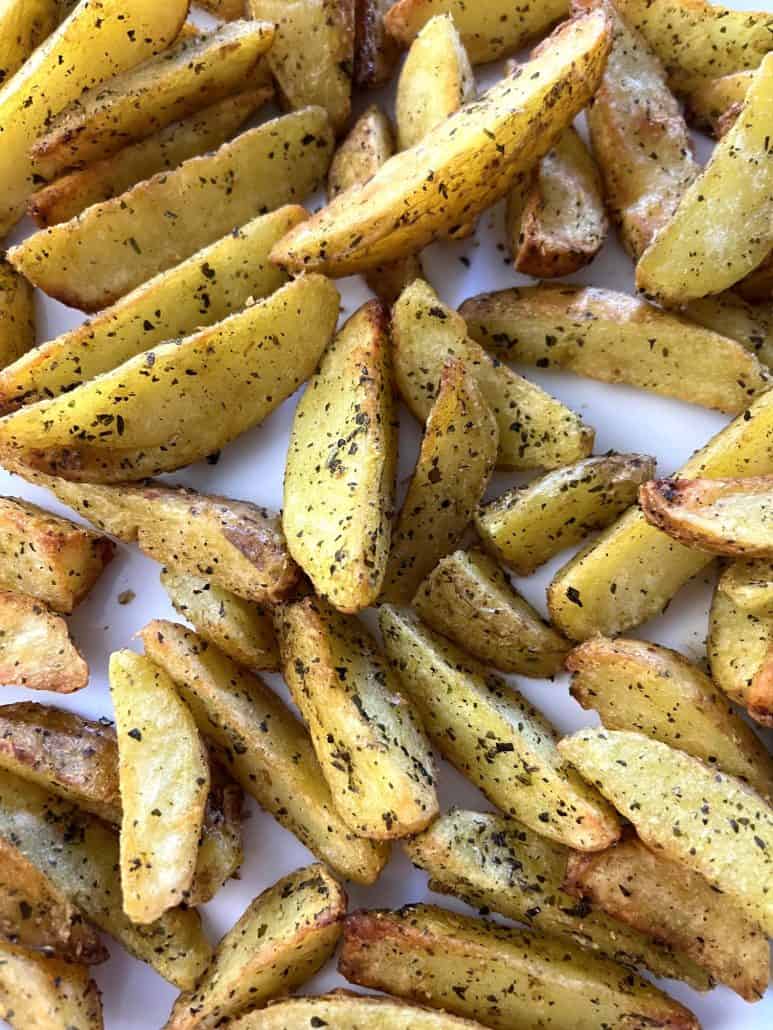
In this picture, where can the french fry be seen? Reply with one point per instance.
(36, 650)
(375, 51)
(714, 104)
(17, 314)
(36, 991)
(348, 1011)
(730, 315)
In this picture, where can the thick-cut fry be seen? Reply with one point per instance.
(92, 260)
(534, 428)
(346, 1010)
(340, 472)
(740, 651)
(488, 731)
(36, 650)
(749, 584)
(366, 734)
(24, 24)
(469, 599)
(503, 977)
(263, 746)
(38, 993)
(221, 851)
(666, 899)
(457, 457)
(17, 314)
(375, 51)
(462, 167)
(711, 823)
(184, 400)
(716, 103)
(730, 315)
(286, 934)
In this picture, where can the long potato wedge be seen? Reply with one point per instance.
(92, 260)
(488, 731)
(534, 428)
(462, 167)
(339, 479)
(263, 746)
(39, 993)
(740, 651)
(366, 734)
(346, 1010)
(749, 584)
(17, 314)
(24, 25)
(375, 51)
(457, 456)
(660, 897)
(36, 650)
(221, 849)
(634, 685)
(715, 104)
(686, 260)
(730, 315)
(502, 977)
(468, 598)
(183, 400)
(710, 822)
(285, 935)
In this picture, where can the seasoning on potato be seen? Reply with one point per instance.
(36, 649)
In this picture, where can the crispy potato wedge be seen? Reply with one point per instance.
(457, 456)
(491, 734)
(462, 167)
(710, 822)
(221, 850)
(660, 897)
(339, 479)
(366, 734)
(375, 51)
(36, 650)
(183, 400)
(469, 599)
(24, 25)
(757, 286)
(740, 651)
(635, 685)
(263, 746)
(286, 934)
(534, 428)
(714, 104)
(228, 10)
(92, 260)
(346, 1010)
(730, 315)
(685, 260)
(39, 993)
(749, 585)
(504, 977)
(497, 864)
(17, 314)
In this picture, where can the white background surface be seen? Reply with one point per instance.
(251, 468)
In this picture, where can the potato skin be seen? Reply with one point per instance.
(36, 650)
(36, 991)
(375, 50)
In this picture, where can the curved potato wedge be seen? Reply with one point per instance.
(17, 314)
(38, 993)
(715, 103)
(24, 25)
(730, 315)
(346, 1010)
(375, 51)
(749, 585)
(36, 650)
(740, 651)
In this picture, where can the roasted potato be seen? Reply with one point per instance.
(24, 25)
(286, 934)
(36, 650)
(366, 734)
(740, 650)
(457, 457)
(488, 731)
(749, 584)
(730, 315)
(221, 850)
(714, 104)
(339, 479)
(375, 51)
(17, 314)
(462, 167)
(39, 993)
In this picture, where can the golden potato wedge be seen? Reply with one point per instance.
(635, 685)
(469, 599)
(375, 51)
(457, 456)
(714, 104)
(504, 977)
(740, 652)
(228, 10)
(200, 291)
(660, 897)
(221, 851)
(366, 734)
(462, 167)
(24, 25)
(286, 934)
(339, 479)
(39, 993)
(497, 864)
(488, 731)
(36, 650)
(79, 854)
(17, 314)
(92, 260)
(757, 286)
(263, 746)
(183, 400)
(730, 315)
(703, 819)
(688, 259)
(749, 585)
(534, 428)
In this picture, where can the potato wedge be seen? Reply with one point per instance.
(730, 315)
(705, 820)
(221, 850)
(462, 167)
(634, 685)
(24, 25)
(17, 314)
(457, 456)
(36, 650)
(92, 260)
(749, 585)
(286, 934)
(339, 479)
(714, 104)
(491, 734)
(39, 993)
(740, 651)
(183, 400)
(263, 746)
(375, 51)
(657, 896)
(504, 977)
(497, 864)
(534, 428)
(366, 734)
(346, 1010)
(615, 338)
(685, 260)
(469, 599)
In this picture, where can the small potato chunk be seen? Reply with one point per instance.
(24, 25)
(39, 993)
(492, 735)
(286, 934)
(714, 104)
(457, 457)
(366, 734)
(730, 315)
(469, 599)
(17, 314)
(660, 897)
(36, 650)
(339, 477)
(221, 851)
(348, 1011)
(375, 51)
(749, 585)
(710, 822)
